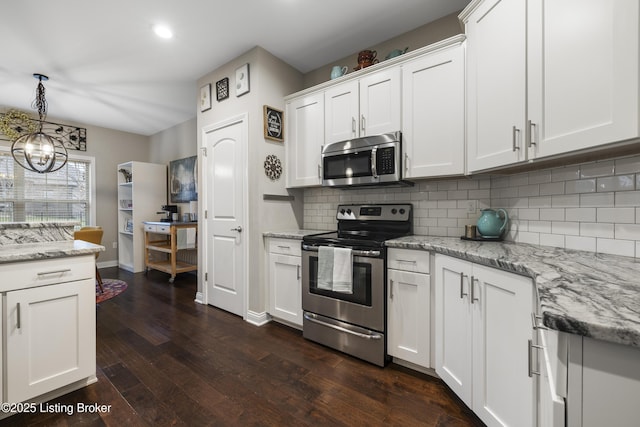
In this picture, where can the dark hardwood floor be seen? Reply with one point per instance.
(163, 359)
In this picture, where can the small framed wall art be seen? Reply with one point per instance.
(222, 89)
(273, 124)
(205, 97)
(242, 80)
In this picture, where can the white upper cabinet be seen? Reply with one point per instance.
(369, 106)
(342, 112)
(548, 78)
(433, 114)
(496, 70)
(583, 74)
(380, 102)
(305, 140)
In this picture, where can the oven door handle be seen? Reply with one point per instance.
(370, 254)
(371, 336)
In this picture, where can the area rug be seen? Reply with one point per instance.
(112, 288)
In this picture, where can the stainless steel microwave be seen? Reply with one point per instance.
(366, 161)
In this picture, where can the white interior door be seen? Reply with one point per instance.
(226, 228)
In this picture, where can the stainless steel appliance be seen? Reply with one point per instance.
(168, 211)
(355, 322)
(367, 161)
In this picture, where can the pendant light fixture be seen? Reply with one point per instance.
(37, 151)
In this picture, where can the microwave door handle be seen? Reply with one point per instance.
(374, 161)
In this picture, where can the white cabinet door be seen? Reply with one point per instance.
(453, 325)
(305, 140)
(408, 303)
(496, 49)
(502, 303)
(50, 338)
(380, 105)
(342, 112)
(433, 119)
(483, 328)
(583, 74)
(285, 288)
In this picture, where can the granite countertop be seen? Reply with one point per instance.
(584, 293)
(292, 234)
(45, 250)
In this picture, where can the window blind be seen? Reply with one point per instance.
(64, 195)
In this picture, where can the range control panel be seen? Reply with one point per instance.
(382, 212)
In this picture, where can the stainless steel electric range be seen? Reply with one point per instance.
(350, 316)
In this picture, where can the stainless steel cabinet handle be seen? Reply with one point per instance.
(319, 172)
(18, 314)
(298, 270)
(353, 125)
(284, 247)
(531, 346)
(516, 132)
(473, 290)
(462, 293)
(390, 289)
(44, 273)
(238, 229)
(411, 261)
(536, 325)
(362, 126)
(532, 132)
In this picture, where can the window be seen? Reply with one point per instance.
(64, 195)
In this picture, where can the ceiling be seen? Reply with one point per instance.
(107, 67)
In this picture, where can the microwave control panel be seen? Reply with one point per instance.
(385, 163)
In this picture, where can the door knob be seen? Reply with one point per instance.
(238, 229)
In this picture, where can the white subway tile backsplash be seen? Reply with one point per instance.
(565, 201)
(568, 173)
(627, 231)
(580, 214)
(617, 183)
(616, 215)
(627, 198)
(597, 169)
(627, 165)
(580, 243)
(553, 214)
(597, 200)
(580, 186)
(593, 206)
(556, 240)
(594, 229)
(552, 188)
(616, 247)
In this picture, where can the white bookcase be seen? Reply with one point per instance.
(138, 200)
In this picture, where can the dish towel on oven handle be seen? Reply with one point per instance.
(335, 269)
(342, 270)
(325, 268)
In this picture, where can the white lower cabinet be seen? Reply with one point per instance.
(482, 340)
(409, 306)
(285, 280)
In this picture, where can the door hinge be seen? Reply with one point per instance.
(206, 276)
(204, 151)
(206, 213)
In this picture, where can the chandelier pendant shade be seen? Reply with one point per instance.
(37, 151)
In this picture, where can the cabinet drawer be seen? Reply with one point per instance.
(163, 229)
(150, 227)
(28, 274)
(408, 260)
(285, 247)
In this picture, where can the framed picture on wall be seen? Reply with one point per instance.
(242, 80)
(273, 124)
(183, 180)
(205, 97)
(222, 89)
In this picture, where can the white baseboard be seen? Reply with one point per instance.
(105, 264)
(199, 298)
(258, 319)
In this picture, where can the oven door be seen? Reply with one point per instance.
(364, 307)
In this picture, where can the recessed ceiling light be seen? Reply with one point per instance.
(162, 31)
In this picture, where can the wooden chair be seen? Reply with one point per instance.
(91, 235)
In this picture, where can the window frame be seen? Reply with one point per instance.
(91, 160)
